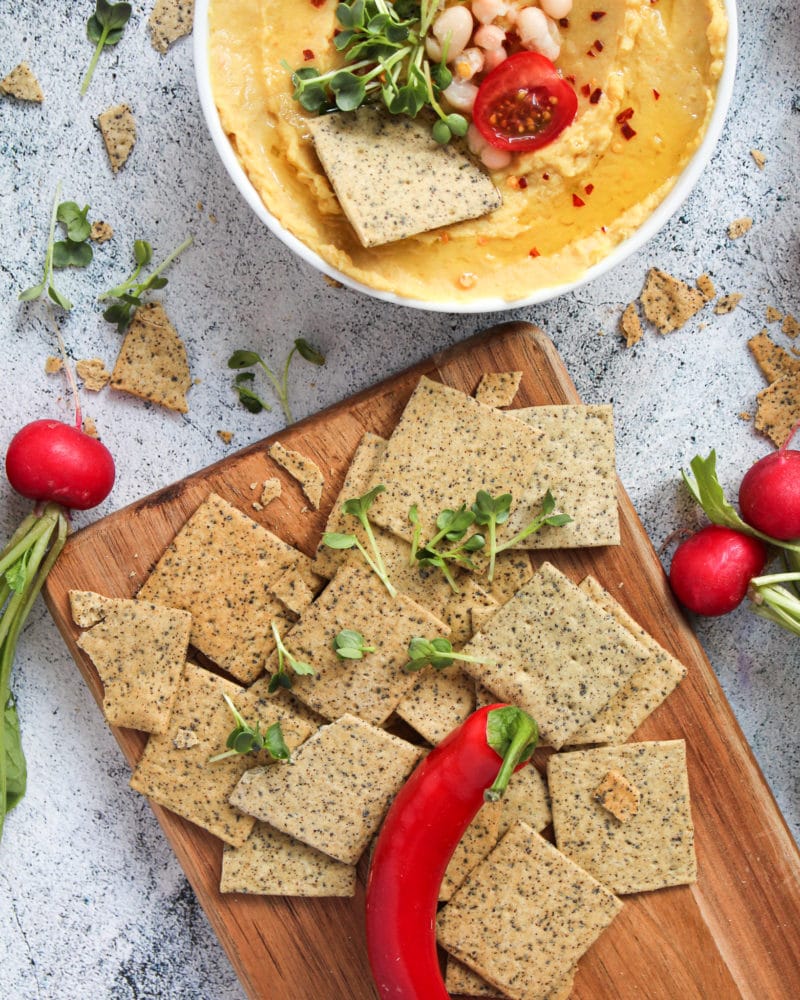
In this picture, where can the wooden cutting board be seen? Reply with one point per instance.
(736, 933)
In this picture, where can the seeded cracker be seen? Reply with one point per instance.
(778, 408)
(88, 608)
(647, 688)
(790, 326)
(631, 325)
(118, 128)
(462, 981)
(668, 302)
(440, 701)
(706, 287)
(221, 567)
(728, 303)
(292, 591)
(617, 796)
(739, 227)
(498, 388)
(101, 232)
(270, 490)
(525, 916)
(22, 84)
(369, 688)
(181, 779)
(152, 361)
(336, 791)
(773, 360)
(139, 651)
(393, 179)
(479, 838)
(653, 848)
(582, 655)
(526, 801)
(271, 864)
(93, 373)
(302, 469)
(169, 21)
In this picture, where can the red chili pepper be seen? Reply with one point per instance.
(426, 821)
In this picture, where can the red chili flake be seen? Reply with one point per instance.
(591, 54)
(589, 188)
(577, 201)
(308, 54)
(533, 252)
(522, 183)
(597, 15)
(545, 177)
(595, 95)
(625, 115)
(586, 90)
(656, 94)
(563, 22)
(627, 131)
(571, 79)
(602, 229)
(598, 45)
(317, 3)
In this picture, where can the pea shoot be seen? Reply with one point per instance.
(383, 46)
(130, 293)
(437, 653)
(105, 28)
(351, 645)
(250, 359)
(281, 678)
(245, 738)
(452, 526)
(358, 507)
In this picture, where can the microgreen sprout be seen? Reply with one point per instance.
(491, 511)
(105, 28)
(249, 359)
(351, 645)
(245, 738)
(74, 251)
(383, 46)
(452, 526)
(129, 294)
(358, 507)
(437, 653)
(281, 679)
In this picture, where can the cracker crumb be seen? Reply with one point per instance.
(90, 427)
(270, 491)
(199, 206)
(668, 302)
(225, 436)
(53, 365)
(728, 303)
(739, 227)
(745, 415)
(301, 468)
(93, 374)
(759, 158)
(631, 325)
(257, 506)
(773, 315)
(101, 232)
(253, 485)
(332, 281)
(118, 128)
(169, 21)
(790, 326)
(617, 796)
(22, 84)
(212, 217)
(706, 287)
(184, 739)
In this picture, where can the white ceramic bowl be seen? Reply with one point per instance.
(654, 222)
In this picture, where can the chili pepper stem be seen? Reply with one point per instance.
(526, 733)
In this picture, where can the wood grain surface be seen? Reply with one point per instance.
(736, 933)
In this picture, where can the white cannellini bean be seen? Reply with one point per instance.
(495, 159)
(475, 141)
(486, 11)
(469, 63)
(489, 36)
(494, 58)
(453, 30)
(460, 95)
(556, 8)
(538, 32)
(433, 49)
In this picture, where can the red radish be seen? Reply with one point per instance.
(50, 460)
(769, 495)
(711, 571)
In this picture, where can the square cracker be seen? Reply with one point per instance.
(174, 771)
(393, 179)
(778, 408)
(221, 567)
(479, 838)
(139, 651)
(575, 461)
(462, 981)
(526, 800)
(118, 128)
(302, 469)
(371, 687)
(270, 863)
(646, 689)
(336, 791)
(439, 701)
(169, 21)
(445, 447)
(555, 653)
(498, 388)
(152, 362)
(652, 849)
(525, 915)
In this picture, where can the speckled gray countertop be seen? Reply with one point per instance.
(92, 901)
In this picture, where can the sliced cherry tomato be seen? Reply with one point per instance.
(523, 103)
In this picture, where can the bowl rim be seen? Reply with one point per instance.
(664, 211)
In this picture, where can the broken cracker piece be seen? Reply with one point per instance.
(152, 361)
(706, 287)
(306, 472)
(101, 232)
(225, 436)
(118, 128)
(617, 796)
(22, 84)
(270, 490)
(790, 326)
(759, 158)
(93, 373)
(169, 21)
(773, 360)
(778, 408)
(631, 325)
(728, 303)
(53, 365)
(739, 227)
(773, 315)
(668, 302)
(498, 388)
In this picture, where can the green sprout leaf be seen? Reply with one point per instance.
(337, 540)
(358, 507)
(437, 653)
(71, 216)
(130, 293)
(247, 397)
(281, 677)
(66, 253)
(350, 645)
(245, 738)
(104, 28)
(75, 221)
(250, 359)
